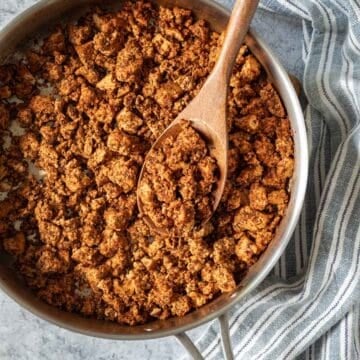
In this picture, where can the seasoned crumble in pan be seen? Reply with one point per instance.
(120, 78)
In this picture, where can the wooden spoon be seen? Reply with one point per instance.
(207, 111)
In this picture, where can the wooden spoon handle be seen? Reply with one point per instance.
(237, 28)
(210, 104)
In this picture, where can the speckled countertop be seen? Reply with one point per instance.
(23, 336)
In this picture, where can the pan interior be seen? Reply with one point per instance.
(35, 22)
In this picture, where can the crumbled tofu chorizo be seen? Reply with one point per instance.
(197, 175)
(119, 79)
(128, 121)
(224, 279)
(258, 197)
(129, 62)
(79, 34)
(4, 117)
(86, 53)
(272, 101)
(15, 245)
(167, 94)
(29, 145)
(250, 220)
(43, 108)
(251, 69)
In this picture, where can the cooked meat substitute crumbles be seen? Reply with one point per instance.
(178, 182)
(119, 80)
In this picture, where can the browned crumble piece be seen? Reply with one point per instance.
(43, 108)
(165, 47)
(167, 94)
(5, 92)
(249, 219)
(24, 75)
(273, 101)
(280, 198)
(251, 69)
(55, 42)
(107, 23)
(246, 250)
(15, 245)
(4, 117)
(109, 44)
(90, 74)
(128, 121)
(86, 53)
(249, 123)
(29, 145)
(237, 198)
(265, 151)
(123, 173)
(53, 262)
(79, 34)
(107, 83)
(250, 174)
(25, 116)
(129, 62)
(284, 143)
(74, 177)
(224, 279)
(125, 144)
(258, 197)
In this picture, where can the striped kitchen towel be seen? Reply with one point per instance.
(309, 307)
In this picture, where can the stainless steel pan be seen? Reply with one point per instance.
(43, 15)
